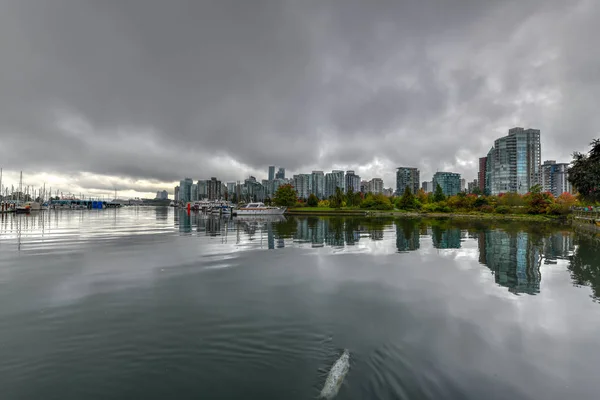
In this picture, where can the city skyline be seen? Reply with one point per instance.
(150, 91)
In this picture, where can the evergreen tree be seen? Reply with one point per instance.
(407, 201)
(439, 194)
(313, 200)
(584, 173)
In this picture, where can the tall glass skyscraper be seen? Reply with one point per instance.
(516, 161)
(271, 172)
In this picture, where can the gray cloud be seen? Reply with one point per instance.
(153, 90)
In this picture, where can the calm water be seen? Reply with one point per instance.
(152, 304)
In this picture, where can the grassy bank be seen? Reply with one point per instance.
(324, 211)
(407, 214)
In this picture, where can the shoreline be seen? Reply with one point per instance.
(566, 220)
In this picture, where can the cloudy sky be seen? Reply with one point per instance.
(136, 94)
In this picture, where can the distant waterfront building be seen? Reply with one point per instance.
(202, 189)
(280, 173)
(318, 184)
(472, 185)
(252, 190)
(194, 192)
(271, 172)
(516, 161)
(333, 180)
(427, 186)
(376, 186)
(352, 181)
(448, 181)
(388, 192)
(407, 176)
(214, 189)
(364, 186)
(162, 195)
(489, 169)
(463, 184)
(481, 174)
(185, 190)
(230, 189)
(302, 184)
(555, 178)
(176, 193)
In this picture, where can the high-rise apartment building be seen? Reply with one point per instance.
(376, 186)
(516, 161)
(271, 172)
(202, 189)
(555, 178)
(352, 181)
(463, 184)
(318, 184)
(481, 174)
(448, 181)
(194, 192)
(302, 184)
(176, 193)
(214, 189)
(280, 173)
(427, 186)
(185, 190)
(407, 176)
(333, 180)
(364, 186)
(162, 195)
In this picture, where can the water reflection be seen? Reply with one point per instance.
(516, 254)
(585, 264)
(513, 259)
(407, 235)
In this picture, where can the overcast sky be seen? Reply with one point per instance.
(137, 94)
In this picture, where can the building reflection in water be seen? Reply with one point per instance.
(445, 238)
(513, 258)
(408, 234)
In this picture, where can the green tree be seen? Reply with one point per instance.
(477, 191)
(350, 196)
(337, 199)
(584, 173)
(313, 200)
(407, 201)
(439, 194)
(285, 196)
(376, 202)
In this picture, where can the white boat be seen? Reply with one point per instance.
(33, 205)
(259, 209)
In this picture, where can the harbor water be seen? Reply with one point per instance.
(157, 303)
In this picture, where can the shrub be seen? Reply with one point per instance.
(376, 202)
(502, 210)
(557, 209)
(313, 200)
(323, 203)
(486, 209)
(481, 201)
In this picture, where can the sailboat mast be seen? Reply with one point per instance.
(20, 187)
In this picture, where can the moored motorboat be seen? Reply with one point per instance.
(259, 208)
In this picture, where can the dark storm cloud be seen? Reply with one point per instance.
(155, 90)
